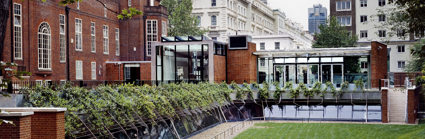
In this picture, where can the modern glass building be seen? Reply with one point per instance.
(316, 16)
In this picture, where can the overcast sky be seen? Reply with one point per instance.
(297, 10)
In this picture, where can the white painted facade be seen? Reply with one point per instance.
(373, 34)
(246, 17)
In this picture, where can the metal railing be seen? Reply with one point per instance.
(234, 130)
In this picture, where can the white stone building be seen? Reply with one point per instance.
(399, 52)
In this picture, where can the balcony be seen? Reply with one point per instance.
(155, 10)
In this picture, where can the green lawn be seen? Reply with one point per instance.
(332, 131)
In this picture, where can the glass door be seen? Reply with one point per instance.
(313, 75)
(337, 75)
(279, 73)
(326, 73)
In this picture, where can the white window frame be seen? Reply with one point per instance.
(151, 35)
(262, 62)
(93, 37)
(78, 34)
(380, 17)
(400, 32)
(363, 33)
(129, 3)
(45, 62)
(200, 20)
(345, 3)
(105, 39)
(403, 50)
(214, 21)
(363, 3)
(213, 3)
(62, 39)
(78, 70)
(93, 70)
(262, 46)
(364, 18)
(345, 17)
(364, 65)
(117, 41)
(384, 33)
(384, 2)
(62, 82)
(17, 29)
(39, 82)
(277, 45)
(402, 63)
(164, 28)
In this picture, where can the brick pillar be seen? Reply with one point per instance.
(21, 129)
(378, 59)
(242, 65)
(145, 71)
(114, 72)
(384, 105)
(48, 125)
(412, 104)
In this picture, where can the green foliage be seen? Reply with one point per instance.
(302, 88)
(278, 92)
(241, 93)
(344, 87)
(332, 34)
(329, 85)
(181, 21)
(263, 92)
(288, 86)
(417, 62)
(126, 102)
(359, 84)
(129, 13)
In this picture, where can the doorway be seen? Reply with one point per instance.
(131, 73)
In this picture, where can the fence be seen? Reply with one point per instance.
(398, 79)
(234, 130)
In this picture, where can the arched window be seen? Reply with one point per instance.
(199, 19)
(213, 20)
(44, 49)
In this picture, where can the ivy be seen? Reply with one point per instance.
(241, 93)
(329, 84)
(263, 92)
(278, 92)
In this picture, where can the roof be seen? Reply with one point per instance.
(315, 52)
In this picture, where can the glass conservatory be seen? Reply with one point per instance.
(334, 65)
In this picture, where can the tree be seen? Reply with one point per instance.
(4, 15)
(181, 21)
(418, 57)
(332, 34)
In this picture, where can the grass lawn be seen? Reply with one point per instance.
(332, 130)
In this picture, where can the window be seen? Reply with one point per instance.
(401, 64)
(199, 19)
(214, 38)
(382, 33)
(345, 20)
(363, 33)
(213, 20)
(343, 5)
(93, 37)
(117, 42)
(164, 28)
(62, 82)
(17, 28)
(277, 45)
(152, 34)
(363, 18)
(129, 3)
(78, 35)
(62, 41)
(382, 18)
(44, 49)
(127, 72)
(363, 3)
(262, 62)
(400, 49)
(400, 32)
(105, 39)
(262, 46)
(381, 2)
(93, 70)
(364, 65)
(79, 69)
(213, 3)
(298, 47)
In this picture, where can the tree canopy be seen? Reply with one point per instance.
(333, 34)
(181, 21)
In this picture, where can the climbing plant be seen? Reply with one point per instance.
(278, 92)
(359, 84)
(328, 85)
(263, 92)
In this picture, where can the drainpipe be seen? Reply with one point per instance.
(144, 37)
(11, 31)
(67, 41)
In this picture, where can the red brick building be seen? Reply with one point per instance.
(56, 42)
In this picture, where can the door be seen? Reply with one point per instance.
(279, 74)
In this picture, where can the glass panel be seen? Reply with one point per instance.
(182, 38)
(326, 73)
(195, 57)
(290, 73)
(279, 60)
(302, 60)
(289, 60)
(168, 39)
(182, 62)
(302, 74)
(279, 72)
(353, 70)
(337, 59)
(326, 59)
(169, 63)
(313, 75)
(313, 60)
(337, 75)
(205, 66)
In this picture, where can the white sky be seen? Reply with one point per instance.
(297, 10)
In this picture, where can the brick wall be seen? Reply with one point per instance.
(48, 125)
(384, 105)
(242, 65)
(21, 129)
(413, 97)
(145, 71)
(351, 13)
(378, 62)
(219, 68)
(114, 72)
